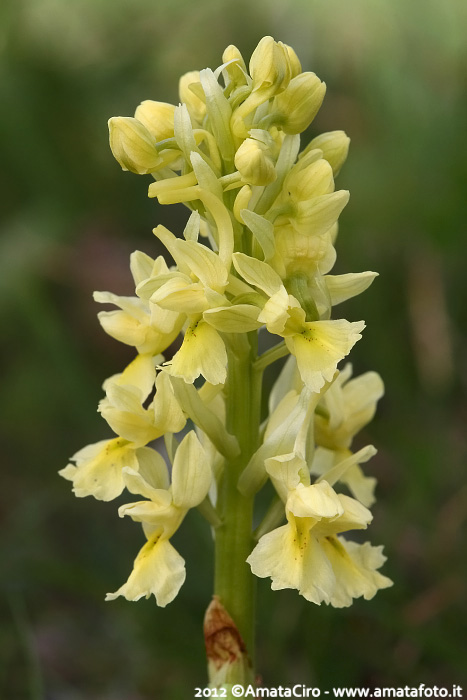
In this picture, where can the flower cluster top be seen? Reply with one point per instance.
(256, 253)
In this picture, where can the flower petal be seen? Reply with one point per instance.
(202, 352)
(191, 473)
(238, 318)
(353, 516)
(140, 373)
(98, 470)
(320, 346)
(158, 570)
(316, 216)
(152, 467)
(257, 273)
(177, 294)
(137, 483)
(354, 566)
(361, 486)
(343, 287)
(275, 311)
(280, 555)
(157, 117)
(168, 416)
(123, 410)
(339, 470)
(279, 440)
(262, 230)
(315, 501)
(287, 472)
(204, 417)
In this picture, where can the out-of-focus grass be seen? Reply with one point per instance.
(396, 76)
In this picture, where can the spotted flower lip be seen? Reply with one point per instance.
(98, 468)
(320, 346)
(307, 554)
(253, 260)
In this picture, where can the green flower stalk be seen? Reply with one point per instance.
(254, 259)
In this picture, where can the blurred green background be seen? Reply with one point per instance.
(396, 75)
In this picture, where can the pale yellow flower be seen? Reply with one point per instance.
(198, 286)
(348, 405)
(307, 554)
(123, 409)
(320, 345)
(317, 345)
(202, 352)
(140, 323)
(159, 569)
(98, 468)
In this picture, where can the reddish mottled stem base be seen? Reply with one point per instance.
(228, 660)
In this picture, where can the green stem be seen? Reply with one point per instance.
(234, 582)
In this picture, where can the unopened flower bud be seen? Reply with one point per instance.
(196, 106)
(270, 65)
(295, 65)
(314, 180)
(157, 117)
(335, 147)
(133, 146)
(236, 70)
(241, 202)
(299, 103)
(254, 164)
